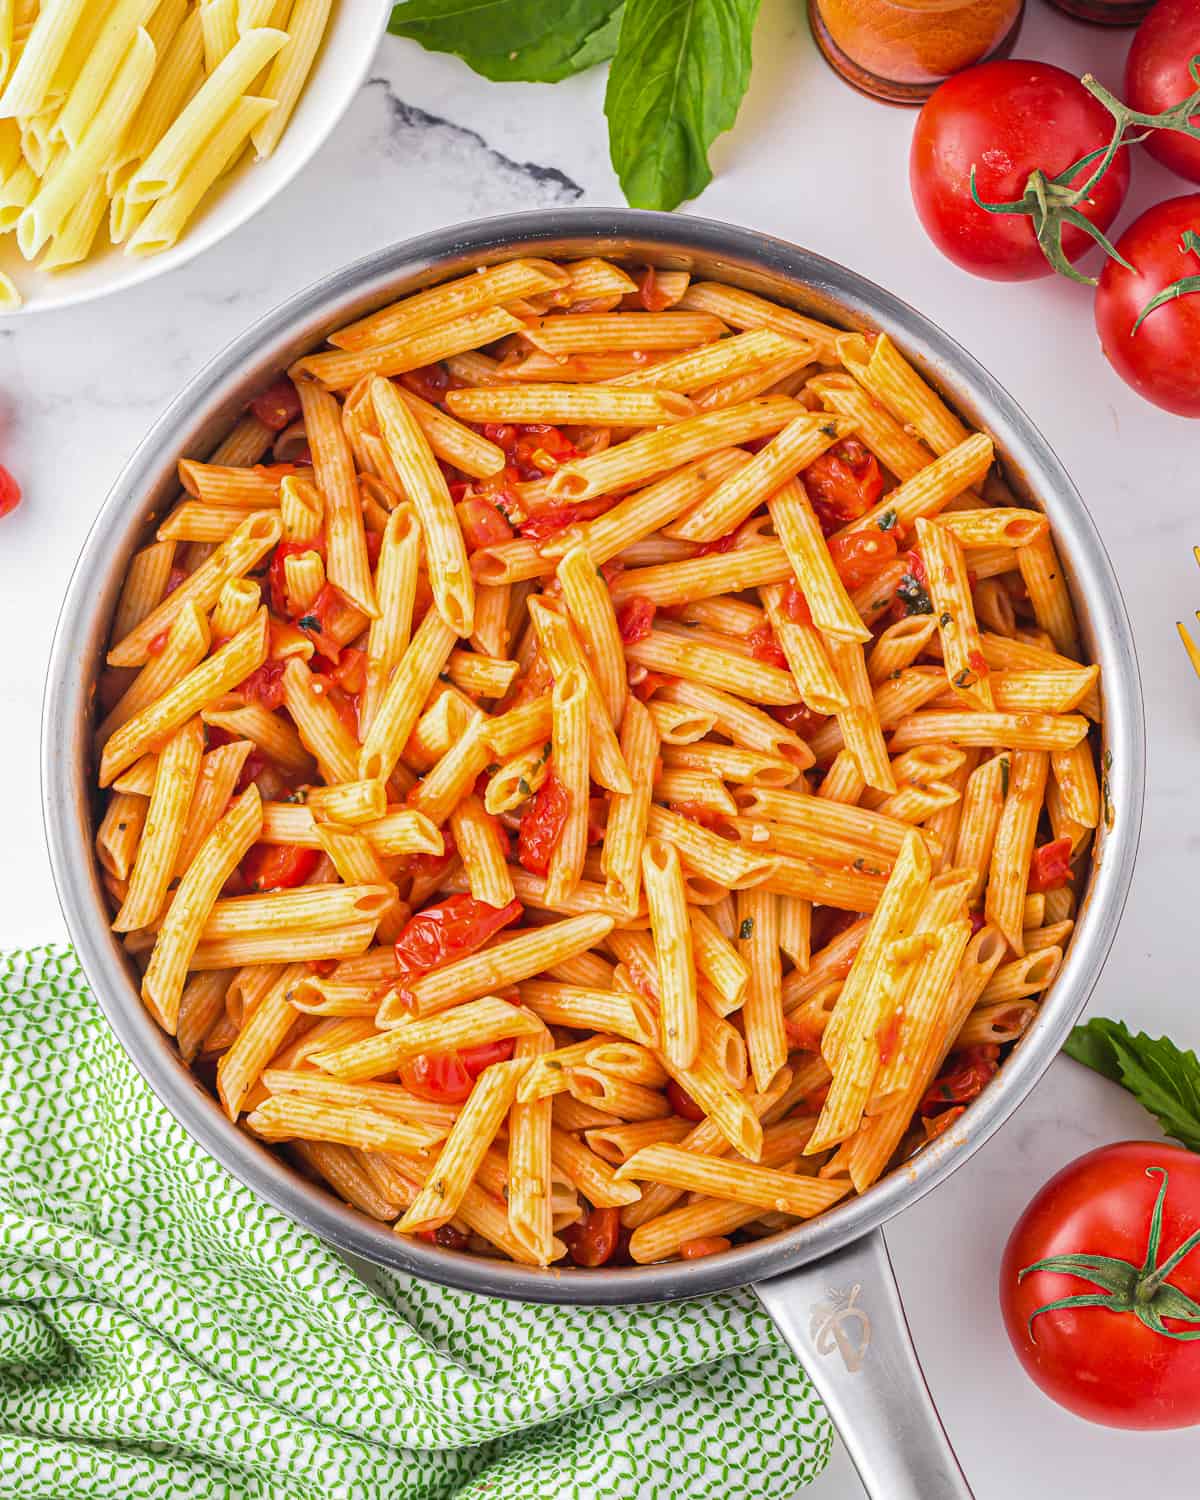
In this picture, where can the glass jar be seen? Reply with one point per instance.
(900, 50)
(1106, 12)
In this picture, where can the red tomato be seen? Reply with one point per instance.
(1125, 1354)
(439, 1076)
(278, 867)
(350, 673)
(591, 1240)
(278, 405)
(483, 524)
(1007, 120)
(1050, 867)
(1156, 77)
(860, 556)
(265, 685)
(634, 618)
(319, 621)
(764, 647)
(541, 825)
(964, 1078)
(451, 929)
(10, 492)
(843, 484)
(682, 1102)
(1159, 360)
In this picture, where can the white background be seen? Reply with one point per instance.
(426, 144)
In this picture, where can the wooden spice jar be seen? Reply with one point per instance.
(900, 50)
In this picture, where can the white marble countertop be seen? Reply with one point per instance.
(426, 144)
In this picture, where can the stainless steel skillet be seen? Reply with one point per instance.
(828, 1283)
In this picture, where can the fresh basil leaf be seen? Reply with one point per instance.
(1160, 1075)
(676, 82)
(513, 41)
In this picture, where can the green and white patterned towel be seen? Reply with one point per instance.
(164, 1335)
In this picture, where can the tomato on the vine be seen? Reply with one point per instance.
(1157, 76)
(1158, 359)
(1007, 120)
(1100, 1286)
(10, 492)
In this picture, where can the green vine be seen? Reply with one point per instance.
(1142, 1290)
(1051, 203)
(1180, 288)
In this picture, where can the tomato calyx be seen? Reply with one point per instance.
(1142, 1290)
(1190, 240)
(1051, 203)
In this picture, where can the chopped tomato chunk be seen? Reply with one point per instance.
(648, 683)
(278, 867)
(843, 484)
(860, 556)
(1050, 868)
(718, 544)
(592, 1240)
(542, 825)
(278, 406)
(634, 618)
(765, 647)
(483, 523)
(446, 1236)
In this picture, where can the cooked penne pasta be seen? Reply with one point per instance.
(611, 837)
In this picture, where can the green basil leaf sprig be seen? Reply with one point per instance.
(679, 70)
(678, 77)
(514, 41)
(1160, 1075)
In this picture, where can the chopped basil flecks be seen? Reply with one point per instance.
(1004, 777)
(310, 622)
(947, 619)
(912, 594)
(524, 788)
(746, 930)
(887, 520)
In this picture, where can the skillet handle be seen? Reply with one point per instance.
(843, 1317)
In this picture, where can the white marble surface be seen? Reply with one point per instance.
(426, 144)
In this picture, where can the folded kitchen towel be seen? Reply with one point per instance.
(165, 1335)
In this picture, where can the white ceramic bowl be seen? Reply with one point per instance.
(353, 36)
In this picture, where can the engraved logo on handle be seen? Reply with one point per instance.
(839, 1323)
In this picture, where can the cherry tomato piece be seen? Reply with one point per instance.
(698, 1249)
(635, 617)
(860, 556)
(843, 484)
(765, 647)
(1050, 867)
(542, 824)
(448, 930)
(592, 1240)
(278, 867)
(964, 1078)
(264, 685)
(278, 406)
(483, 523)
